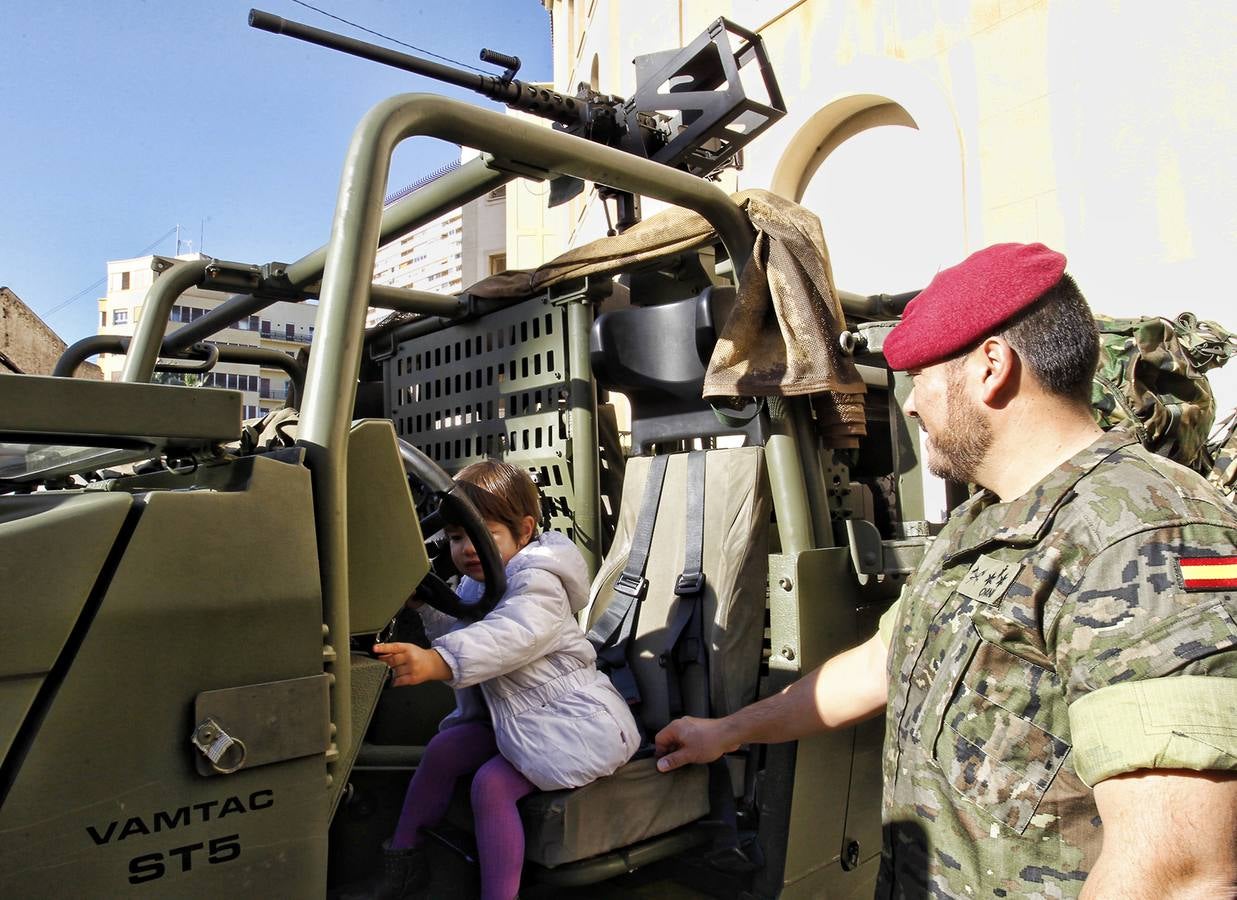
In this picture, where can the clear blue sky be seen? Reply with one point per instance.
(124, 118)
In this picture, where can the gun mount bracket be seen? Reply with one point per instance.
(691, 106)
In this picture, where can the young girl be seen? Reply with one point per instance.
(533, 712)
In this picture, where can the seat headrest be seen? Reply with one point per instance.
(661, 349)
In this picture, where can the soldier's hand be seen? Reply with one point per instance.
(410, 664)
(689, 740)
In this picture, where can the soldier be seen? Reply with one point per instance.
(1060, 674)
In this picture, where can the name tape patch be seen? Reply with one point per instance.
(1208, 573)
(987, 579)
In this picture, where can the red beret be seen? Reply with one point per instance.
(970, 301)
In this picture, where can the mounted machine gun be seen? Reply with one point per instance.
(691, 110)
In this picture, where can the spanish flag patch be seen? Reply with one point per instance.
(1208, 573)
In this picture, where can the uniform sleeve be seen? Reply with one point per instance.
(523, 627)
(1149, 656)
(889, 619)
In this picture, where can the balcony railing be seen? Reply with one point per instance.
(298, 338)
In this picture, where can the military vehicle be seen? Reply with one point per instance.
(182, 711)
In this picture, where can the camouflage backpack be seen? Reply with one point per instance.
(1151, 379)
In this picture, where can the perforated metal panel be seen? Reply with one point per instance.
(496, 387)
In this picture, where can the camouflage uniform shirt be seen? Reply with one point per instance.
(1085, 629)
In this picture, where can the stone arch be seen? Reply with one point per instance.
(825, 131)
(872, 94)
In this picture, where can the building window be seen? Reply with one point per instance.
(103, 318)
(124, 281)
(120, 317)
(498, 263)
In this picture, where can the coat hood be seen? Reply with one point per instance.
(556, 553)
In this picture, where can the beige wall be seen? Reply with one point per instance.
(1102, 129)
(29, 343)
(483, 241)
(534, 232)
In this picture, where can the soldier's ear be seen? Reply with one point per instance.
(999, 370)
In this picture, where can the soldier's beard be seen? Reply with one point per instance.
(956, 451)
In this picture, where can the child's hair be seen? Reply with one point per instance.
(502, 493)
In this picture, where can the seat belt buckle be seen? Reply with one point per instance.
(631, 585)
(689, 583)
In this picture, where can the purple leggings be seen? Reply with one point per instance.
(495, 789)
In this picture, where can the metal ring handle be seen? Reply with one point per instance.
(215, 743)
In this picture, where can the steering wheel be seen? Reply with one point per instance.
(452, 507)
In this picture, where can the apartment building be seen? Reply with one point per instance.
(444, 256)
(451, 252)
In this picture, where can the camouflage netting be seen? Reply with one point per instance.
(1151, 379)
(1222, 452)
(786, 299)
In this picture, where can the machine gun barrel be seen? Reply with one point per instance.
(515, 93)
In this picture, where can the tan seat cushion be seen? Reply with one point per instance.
(635, 803)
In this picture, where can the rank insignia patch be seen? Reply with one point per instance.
(988, 579)
(1208, 573)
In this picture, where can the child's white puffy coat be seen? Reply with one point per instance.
(556, 718)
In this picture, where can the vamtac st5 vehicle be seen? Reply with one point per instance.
(181, 710)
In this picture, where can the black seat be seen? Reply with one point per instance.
(656, 357)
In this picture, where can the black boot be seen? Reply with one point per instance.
(403, 871)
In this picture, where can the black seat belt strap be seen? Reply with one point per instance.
(611, 634)
(688, 651)
(685, 631)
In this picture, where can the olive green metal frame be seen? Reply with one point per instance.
(330, 387)
(345, 263)
(79, 352)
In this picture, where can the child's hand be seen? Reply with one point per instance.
(411, 664)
